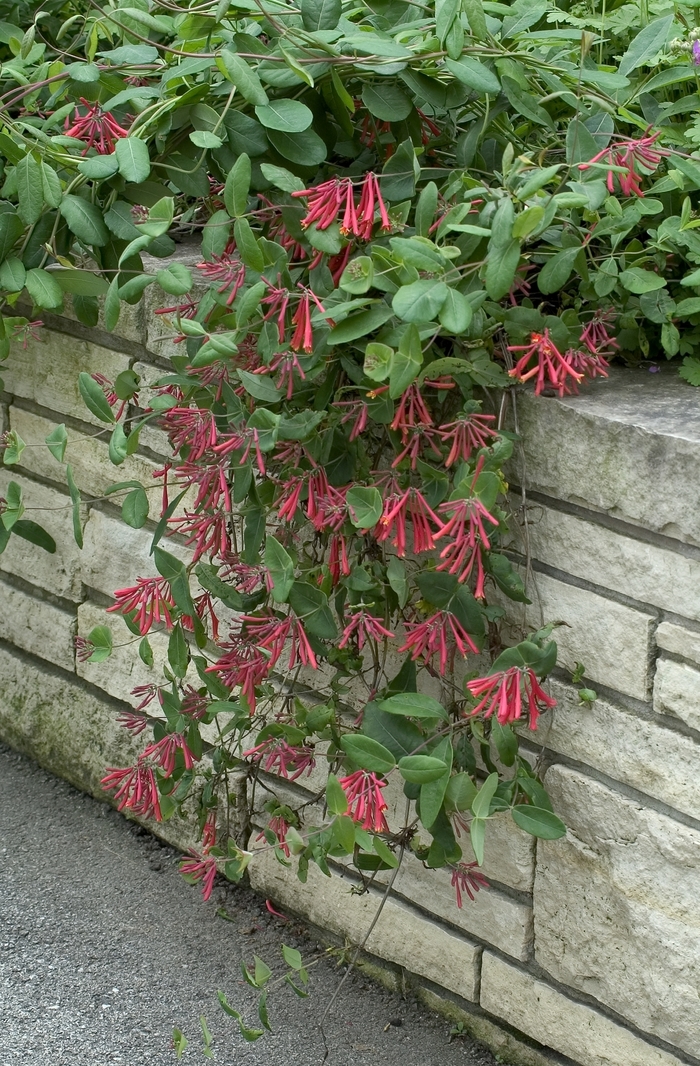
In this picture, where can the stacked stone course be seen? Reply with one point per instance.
(584, 950)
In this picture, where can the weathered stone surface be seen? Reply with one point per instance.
(616, 912)
(646, 572)
(130, 327)
(124, 669)
(679, 641)
(677, 692)
(494, 917)
(576, 1030)
(88, 456)
(58, 573)
(47, 372)
(401, 935)
(613, 641)
(628, 748)
(115, 554)
(37, 627)
(629, 445)
(60, 724)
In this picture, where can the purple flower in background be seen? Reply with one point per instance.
(696, 53)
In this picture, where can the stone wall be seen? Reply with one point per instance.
(585, 950)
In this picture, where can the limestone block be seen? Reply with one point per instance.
(679, 641)
(60, 724)
(401, 936)
(130, 326)
(646, 572)
(627, 747)
(578, 1031)
(88, 456)
(616, 912)
(494, 917)
(628, 445)
(613, 641)
(115, 554)
(37, 627)
(124, 669)
(47, 372)
(58, 573)
(677, 692)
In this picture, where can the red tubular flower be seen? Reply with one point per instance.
(363, 790)
(289, 500)
(245, 577)
(272, 633)
(29, 329)
(151, 600)
(146, 694)
(629, 154)
(209, 831)
(356, 410)
(437, 635)
(226, 268)
(551, 369)
(591, 366)
(136, 790)
(133, 721)
(212, 482)
(193, 428)
(283, 759)
(277, 300)
(327, 508)
(338, 558)
(204, 607)
(502, 692)
(466, 877)
(327, 201)
(595, 336)
(210, 533)
(164, 751)
(97, 128)
(411, 412)
(111, 396)
(200, 868)
(398, 507)
(363, 627)
(469, 539)
(193, 705)
(83, 648)
(465, 435)
(287, 363)
(371, 197)
(279, 827)
(324, 202)
(244, 665)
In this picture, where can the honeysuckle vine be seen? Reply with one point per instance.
(359, 225)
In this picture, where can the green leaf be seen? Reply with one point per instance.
(288, 116)
(320, 14)
(456, 313)
(336, 800)
(420, 769)
(35, 534)
(75, 500)
(43, 288)
(378, 359)
(406, 362)
(396, 576)
(135, 508)
(538, 822)
(474, 74)
(557, 270)
(639, 281)
(11, 228)
(281, 568)
(477, 833)
(365, 505)
(178, 651)
(283, 179)
(460, 792)
(386, 102)
(236, 70)
(237, 186)
(79, 282)
(146, 651)
(101, 638)
(482, 802)
(358, 275)
(12, 275)
(99, 167)
(400, 173)
(206, 139)
(57, 441)
(84, 220)
(646, 45)
(414, 705)
(306, 149)
(30, 189)
(14, 508)
(94, 398)
(247, 246)
(501, 265)
(361, 324)
(420, 301)
(133, 158)
(432, 793)
(175, 279)
(310, 604)
(367, 753)
(259, 386)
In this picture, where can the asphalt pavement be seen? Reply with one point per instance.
(105, 950)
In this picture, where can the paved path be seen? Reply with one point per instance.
(104, 949)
